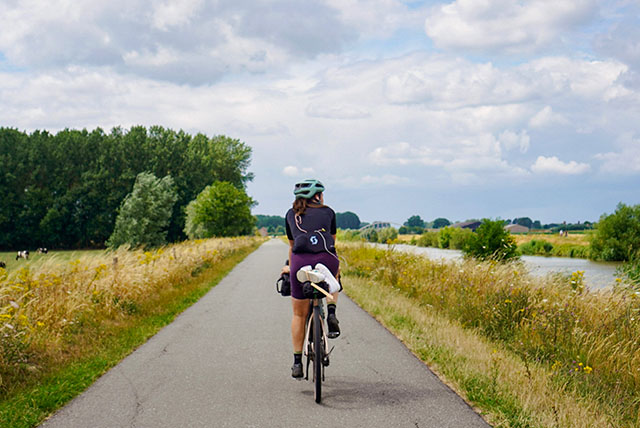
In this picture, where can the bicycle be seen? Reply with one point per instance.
(315, 338)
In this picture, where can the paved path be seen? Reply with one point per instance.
(225, 362)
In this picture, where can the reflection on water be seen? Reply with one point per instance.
(596, 274)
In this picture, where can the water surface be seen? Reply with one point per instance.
(596, 274)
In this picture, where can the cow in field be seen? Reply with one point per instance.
(2, 264)
(23, 255)
(42, 250)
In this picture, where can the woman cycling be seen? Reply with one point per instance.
(311, 229)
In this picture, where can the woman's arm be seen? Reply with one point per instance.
(287, 268)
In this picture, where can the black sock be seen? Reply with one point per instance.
(331, 308)
(297, 357)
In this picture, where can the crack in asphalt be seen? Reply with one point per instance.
(136, 396)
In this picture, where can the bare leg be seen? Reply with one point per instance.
(300, 310)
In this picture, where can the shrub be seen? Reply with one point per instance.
(387, 235)
(370, 235)
(459, 237)
(536, 247)
(428, 239)
(630, 271)
(445, 237)
(348, 235)
(617, 236)
(490, 241)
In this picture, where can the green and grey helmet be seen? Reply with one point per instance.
(307, 188)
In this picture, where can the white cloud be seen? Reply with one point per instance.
(546, 117)
(378, 18)
(467, 160)
(511, 140)
(337, 111)
(403, 154)
(184, 41)
(625, 161)
(446, 82)
(386, 179)
(175, 13)
(367, 180)
(294, 171)
(505, 25)
(554, 165)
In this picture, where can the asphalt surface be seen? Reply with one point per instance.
(225, 362)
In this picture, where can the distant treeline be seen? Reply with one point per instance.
(64, 190)
(275, 224)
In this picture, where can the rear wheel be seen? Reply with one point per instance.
(318, 353)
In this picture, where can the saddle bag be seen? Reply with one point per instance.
(308, 292)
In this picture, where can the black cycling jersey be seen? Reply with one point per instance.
(314, 220)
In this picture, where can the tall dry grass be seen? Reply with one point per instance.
(42, 306)
(589, 342)
(578, 239)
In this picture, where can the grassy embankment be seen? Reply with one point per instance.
(65, 321)
(527, 352)
(532, 244)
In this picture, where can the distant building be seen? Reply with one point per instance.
(263, 231)
(516, 228)
(473, 225)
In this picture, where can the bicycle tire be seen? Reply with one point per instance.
(318, 353)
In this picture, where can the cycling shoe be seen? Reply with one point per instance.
(334, 329)
(296, 371)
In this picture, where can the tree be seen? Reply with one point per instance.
(617, 236)
(64, 190)
(491, 241)
(536, 225)
(221, 209)
(269, 221)
(523, 221)
(440, 223)
(145, 213)
(414, 221)
(347, 220)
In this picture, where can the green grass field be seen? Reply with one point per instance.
(9, 257)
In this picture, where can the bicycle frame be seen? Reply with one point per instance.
(320, 357)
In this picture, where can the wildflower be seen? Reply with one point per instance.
(40, 324)
(14, 304)
(587, 369)
(507, 301)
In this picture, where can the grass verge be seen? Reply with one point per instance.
(525, 351)
(489, 377)
(97, 347)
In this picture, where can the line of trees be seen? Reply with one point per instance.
(275, 224)
(65, 190)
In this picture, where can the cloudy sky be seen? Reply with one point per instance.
(458, 109)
